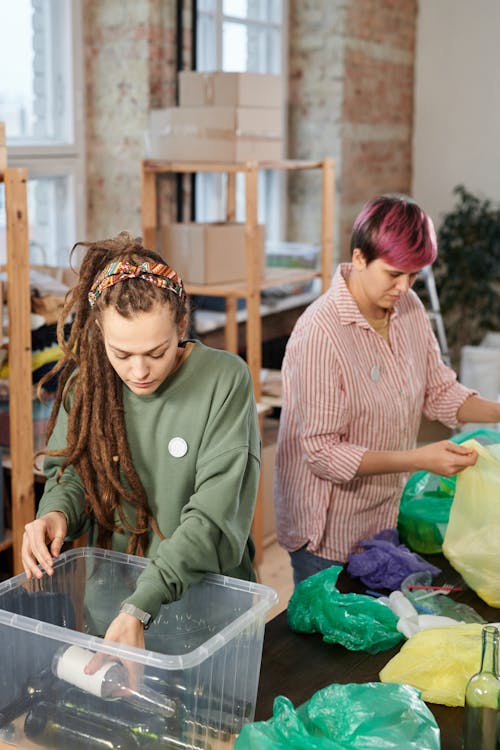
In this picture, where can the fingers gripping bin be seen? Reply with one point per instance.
(197, 677)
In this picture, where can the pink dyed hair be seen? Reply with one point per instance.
(396, 230)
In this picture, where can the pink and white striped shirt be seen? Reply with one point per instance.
(345, 391)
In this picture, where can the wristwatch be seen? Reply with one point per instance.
(142, 616)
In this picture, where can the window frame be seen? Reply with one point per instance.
(64, 158)
(276, 225)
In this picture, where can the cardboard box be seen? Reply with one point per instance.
(209, 253)
(232, 134)
(229, 89)
(202, 654)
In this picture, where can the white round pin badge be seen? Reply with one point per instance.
(177, 447)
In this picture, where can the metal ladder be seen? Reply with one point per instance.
(434, 313)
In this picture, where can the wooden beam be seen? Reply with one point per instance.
(20, 379)
(149, 209)
(327, 194)
(3, 148)
(231, 197)
(231, 327)
(253, 281)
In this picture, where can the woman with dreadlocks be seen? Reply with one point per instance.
(153, 440)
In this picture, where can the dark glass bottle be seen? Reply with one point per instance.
(34, 690)
(150, 731)
(481, 720)
(109, 682)
(229, 714)
(52, 726)
(115, 712)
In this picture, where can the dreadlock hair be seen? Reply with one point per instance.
(91, 391)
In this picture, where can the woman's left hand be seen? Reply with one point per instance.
(128, 630)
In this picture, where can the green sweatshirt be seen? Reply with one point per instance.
(195, 445)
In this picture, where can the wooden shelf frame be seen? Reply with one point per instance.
(6, 542)
(22, 499)
(251, 288)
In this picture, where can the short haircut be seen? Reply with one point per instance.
(396, 230)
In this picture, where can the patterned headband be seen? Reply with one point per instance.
(158, 274)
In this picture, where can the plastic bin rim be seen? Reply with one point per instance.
(267, 597)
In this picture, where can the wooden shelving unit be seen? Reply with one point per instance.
(251, 288)
(22, 500)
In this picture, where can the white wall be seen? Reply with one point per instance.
(457, 102)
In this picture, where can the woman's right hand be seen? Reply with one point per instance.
(444, 458)
(42, 542)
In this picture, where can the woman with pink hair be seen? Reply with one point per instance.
(361, 367)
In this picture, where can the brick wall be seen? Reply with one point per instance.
(316, 83)
(351, 97)
(129, 67)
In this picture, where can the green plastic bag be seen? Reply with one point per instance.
(426, 501)
(347, 717)
(358, 622)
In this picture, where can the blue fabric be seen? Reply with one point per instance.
(385, 563)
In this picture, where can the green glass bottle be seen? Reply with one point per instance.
(482, 694)
(150, 730)
(51, 726)
(34, 690)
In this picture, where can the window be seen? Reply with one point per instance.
(41, 103)
(242, 35)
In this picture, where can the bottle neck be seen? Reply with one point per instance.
(489, 655)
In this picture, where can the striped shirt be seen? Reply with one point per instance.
(347, 390)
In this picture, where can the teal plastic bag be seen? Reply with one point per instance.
(357, 622)
(347, 717)
(426, 501)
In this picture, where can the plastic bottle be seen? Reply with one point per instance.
(481, 721)
(109, 681)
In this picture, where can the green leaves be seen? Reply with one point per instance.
(467, 270)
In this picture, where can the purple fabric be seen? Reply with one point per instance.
(385, 563)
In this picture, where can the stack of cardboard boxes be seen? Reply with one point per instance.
(222, 117)
(209, 253)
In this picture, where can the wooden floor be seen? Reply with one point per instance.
(276, 572)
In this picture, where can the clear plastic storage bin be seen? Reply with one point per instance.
(198, 673)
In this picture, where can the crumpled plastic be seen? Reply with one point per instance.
(426, 501)
(347, 717)
(410, 622)
(439, 662)
(439, 604)
(385, 563)
(471, 540)
(356, 621)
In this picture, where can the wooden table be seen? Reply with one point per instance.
(296, 665)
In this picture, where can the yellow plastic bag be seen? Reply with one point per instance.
(439, 662)
(472, 539)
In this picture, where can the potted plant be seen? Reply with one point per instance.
(467, 271)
